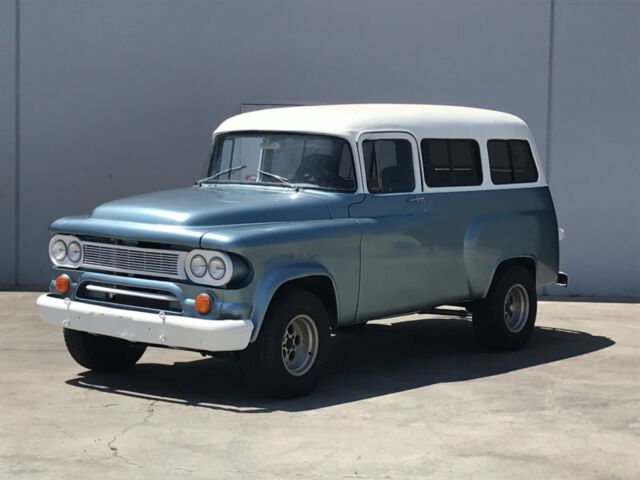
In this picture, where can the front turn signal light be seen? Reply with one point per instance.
(203, 303)
(63, 283)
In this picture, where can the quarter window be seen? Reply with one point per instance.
(451, 162)
(511, 161)
(388, 165)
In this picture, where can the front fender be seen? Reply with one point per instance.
(285, 251)
(273, 279)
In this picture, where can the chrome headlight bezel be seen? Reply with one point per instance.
(65, 261)
(208, 256)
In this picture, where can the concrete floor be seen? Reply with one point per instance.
(409, 398)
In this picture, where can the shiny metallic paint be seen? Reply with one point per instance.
(407, 256)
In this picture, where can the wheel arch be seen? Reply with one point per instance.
(315, 279)
(527, 261)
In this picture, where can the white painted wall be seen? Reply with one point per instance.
(120, 97)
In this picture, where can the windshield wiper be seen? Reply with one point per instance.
(213, 177)
(279, 178)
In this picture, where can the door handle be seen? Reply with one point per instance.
(417, 199)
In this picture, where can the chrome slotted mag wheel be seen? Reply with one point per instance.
(516, 308)
(300, 345)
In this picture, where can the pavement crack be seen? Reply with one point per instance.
(112, 444)
(63, 431)
(106, 405)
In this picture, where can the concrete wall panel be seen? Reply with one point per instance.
(120, 97)
(595, 164)
(7, 141)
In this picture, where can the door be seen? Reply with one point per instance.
(453, 183)
(395, 243)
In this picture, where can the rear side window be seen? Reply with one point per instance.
(388, 166)
(511, 161)
(451, 162)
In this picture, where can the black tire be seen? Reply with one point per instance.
(263, 361)
(494, 321)
(100, 353)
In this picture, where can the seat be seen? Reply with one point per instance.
(317, 168)
(398, 178)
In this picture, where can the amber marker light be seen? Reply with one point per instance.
(203, 303)
(63, 283)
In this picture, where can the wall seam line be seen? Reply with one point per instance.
(16, 264)
(547, 164)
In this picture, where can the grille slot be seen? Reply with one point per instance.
(126, 296)
(145, 261)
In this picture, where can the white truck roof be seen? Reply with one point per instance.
(353, 119)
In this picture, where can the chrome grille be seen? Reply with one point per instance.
(145, 261)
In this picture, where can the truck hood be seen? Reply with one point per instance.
(214, 205)
(182, 216)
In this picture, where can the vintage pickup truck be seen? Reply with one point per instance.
(313, 219)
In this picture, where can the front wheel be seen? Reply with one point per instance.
(288, 356)
(504, 320)
(101, 353)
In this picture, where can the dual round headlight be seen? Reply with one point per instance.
(209, 267)
(59, 250)
(65, 250)
(215, 267)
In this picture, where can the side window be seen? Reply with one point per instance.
(511, 161)
(451, 162)
(388, 165)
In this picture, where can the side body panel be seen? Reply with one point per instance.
(450, 251)
(524, 226)
(475, 231)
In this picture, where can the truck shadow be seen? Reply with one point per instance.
(379, 359)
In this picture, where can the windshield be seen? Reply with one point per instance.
(284, 159)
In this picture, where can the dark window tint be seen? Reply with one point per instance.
(500, 162)
(451, 163)
(511, 161)
(389, 166)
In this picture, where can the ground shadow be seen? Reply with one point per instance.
(376, 360)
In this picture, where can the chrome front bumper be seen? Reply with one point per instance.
(159, 329)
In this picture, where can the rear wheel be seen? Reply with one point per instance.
(504, 320)
(287, 358)
(101, 353)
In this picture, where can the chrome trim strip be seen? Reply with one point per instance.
(132, 293)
